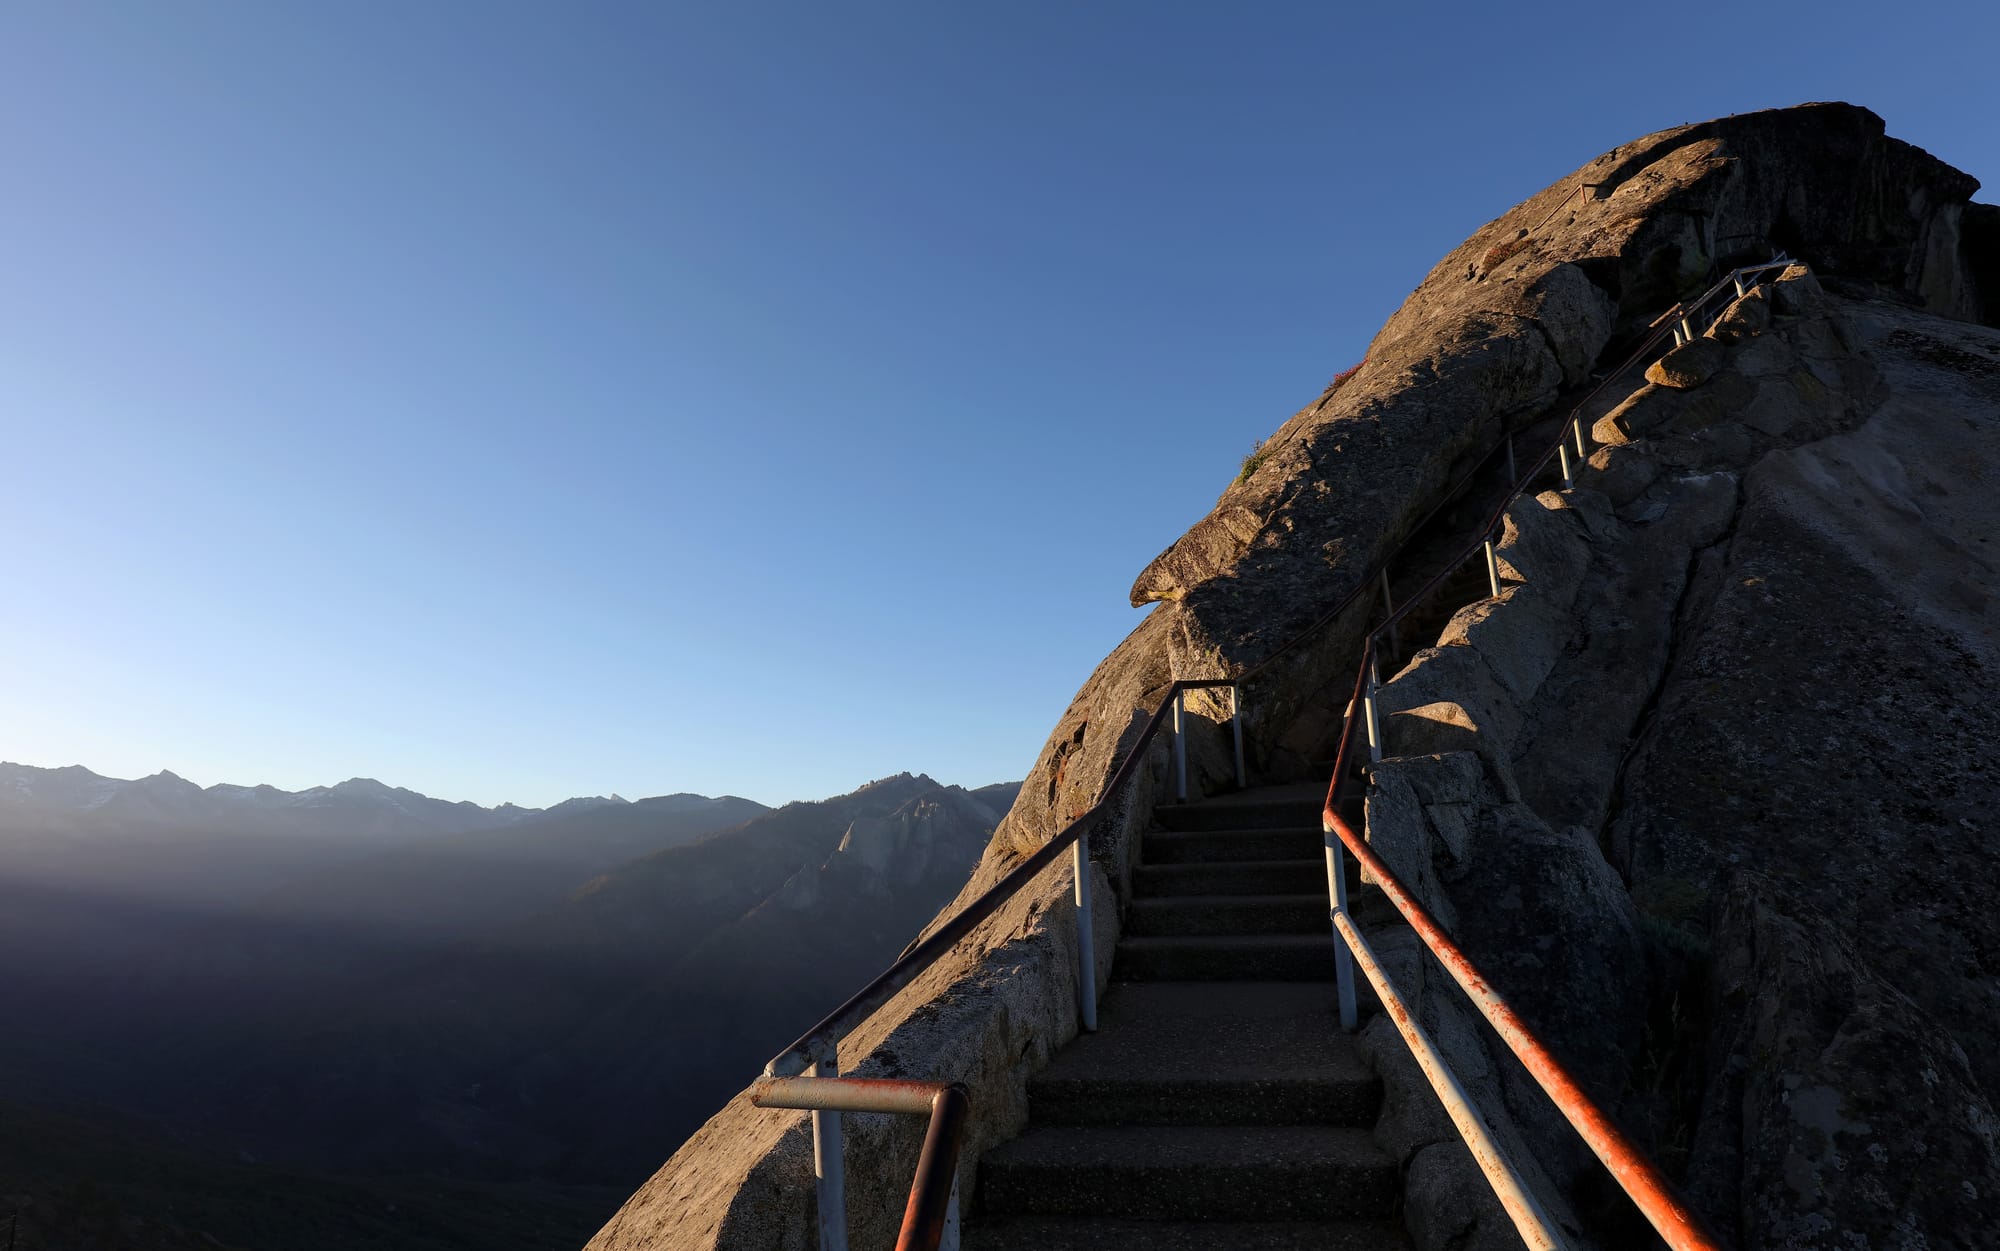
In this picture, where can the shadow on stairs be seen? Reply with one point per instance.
(1219, 1106)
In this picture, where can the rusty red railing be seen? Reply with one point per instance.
(1641, 1180)
(931, 1206)
(1636, 1174)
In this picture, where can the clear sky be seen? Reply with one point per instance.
(513, 401)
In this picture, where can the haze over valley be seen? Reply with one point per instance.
(314, 1001)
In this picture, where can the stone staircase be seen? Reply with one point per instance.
(1218, 1105)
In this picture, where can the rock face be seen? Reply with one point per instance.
(1827, 722)
(1513, 317)
(1533, 800)
(1778, 655)
(1838, 1107)
(1690, 364)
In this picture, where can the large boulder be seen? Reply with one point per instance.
(1689, 365)
(1445, 700)
(1747, 315)
(1520, 633)
(1546, 544)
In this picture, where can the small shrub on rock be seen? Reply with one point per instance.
(1258, 454)
(1501, 252)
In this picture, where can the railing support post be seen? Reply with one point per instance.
(1180, 746)
(1569, 479)
(829, 1178)
(1492, 568)
(1687, 331)
(1371, 711)
(950, 1240)
(1576, 428)
(1236, 734)
(1086, 952)
(1513, 474)
(1537, 1231)
(1740, 292)
(1343, 959)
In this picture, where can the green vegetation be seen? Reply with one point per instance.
(1259, 453)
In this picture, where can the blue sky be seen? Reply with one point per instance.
(514, 401)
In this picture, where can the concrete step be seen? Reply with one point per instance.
(1230, 813)
(1185, 1007)
(1267, 807)
(1354, 803)
(1241, 877)
(1210, 846)
(1229, 914)
(1189, 1173)
(1170, 1053)
(1225, 957)
(1046, 1233)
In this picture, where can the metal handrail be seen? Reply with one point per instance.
(1559, 448)
(815, 1053)
(1449, 495)
(815, 1042)
(1635, 1173)
(933, 1205)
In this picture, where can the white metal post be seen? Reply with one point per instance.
(1740, 293)
(830, 1181)
(1236, 733)
(1533, 1224)
(1576, 428)
(1180, 746)
(1687, 331)
(1371, 713)
(1513, 474)
(949, 1240)
(1086, 954)
(1492, 569)
(1343, 959)
(1562, 450)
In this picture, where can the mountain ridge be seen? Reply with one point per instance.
(485, 1005)
(39, 790)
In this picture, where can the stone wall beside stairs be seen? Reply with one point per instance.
(1521, 756)
(988, 1014)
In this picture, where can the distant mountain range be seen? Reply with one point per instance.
(361, 980)
(163, 840)
(74, 798)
